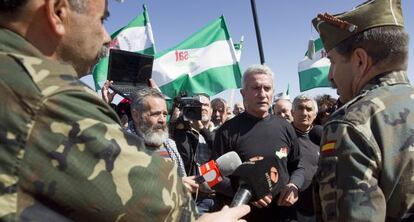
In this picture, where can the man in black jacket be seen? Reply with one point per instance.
(255, 133)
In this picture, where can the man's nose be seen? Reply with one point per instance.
(216, 113)
(106, 37)
(162, 119)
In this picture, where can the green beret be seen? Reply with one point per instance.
(333, 29)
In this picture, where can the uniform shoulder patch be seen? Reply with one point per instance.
(328, 147)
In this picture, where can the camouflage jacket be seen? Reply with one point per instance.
(366, 166)
(63, 155)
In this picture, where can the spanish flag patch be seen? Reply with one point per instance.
(328, 147)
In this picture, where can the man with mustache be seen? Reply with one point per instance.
(63, 154)
(367, 156)
(149, 121)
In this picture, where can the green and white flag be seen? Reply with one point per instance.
(134, 37)
(314, 68)
(205, 62)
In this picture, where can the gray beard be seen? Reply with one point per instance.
(205, 118)
(151, 137)
(155, 138)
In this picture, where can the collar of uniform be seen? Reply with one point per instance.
(383, 79)
(16, 46)
(386, 79)
(13, 43)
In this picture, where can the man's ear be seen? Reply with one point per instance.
(361, 61)
(242, 91)
(57, 12)
(361, 64)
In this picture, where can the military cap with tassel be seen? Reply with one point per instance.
(333, 29)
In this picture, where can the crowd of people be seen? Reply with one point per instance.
(68, 155)
(191, 142)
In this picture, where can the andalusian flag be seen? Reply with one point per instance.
(314, 68)
(135, 37)
(205, 62)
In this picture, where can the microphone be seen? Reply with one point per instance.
(241, 197)
(213, 171)
(256, 179)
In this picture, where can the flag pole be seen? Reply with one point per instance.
(257, 28)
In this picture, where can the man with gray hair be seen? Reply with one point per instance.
(219, 111)
(256, 133)
(64, 156)
(149, 121)
(304, 110)
(366, 160)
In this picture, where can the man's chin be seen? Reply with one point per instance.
(264, 108)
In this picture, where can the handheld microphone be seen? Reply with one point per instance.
(256, 179)
(213, 171)
(241, 197)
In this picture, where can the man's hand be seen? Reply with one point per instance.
(288, 195)
(106, 95)
(226, 214)
(197, 125)
(266, 200)
(190, 184)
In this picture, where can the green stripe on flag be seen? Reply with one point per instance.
(313, 72)
(313, 78)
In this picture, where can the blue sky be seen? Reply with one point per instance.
(285, 28)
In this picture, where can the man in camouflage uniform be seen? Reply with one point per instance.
(63, 155)
(366, 168)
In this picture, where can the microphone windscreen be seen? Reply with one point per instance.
(228, 163)
(258, 176)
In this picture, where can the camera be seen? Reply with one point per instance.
(190, 107)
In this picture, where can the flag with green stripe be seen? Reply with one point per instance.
(314, 68)
(134, 37)
(205, 62)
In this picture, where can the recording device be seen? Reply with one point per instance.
(190, 106)
(256, 180)
(212, 172)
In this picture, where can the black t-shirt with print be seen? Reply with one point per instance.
(270, 137)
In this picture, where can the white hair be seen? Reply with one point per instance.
(256, 69)
(304, 97)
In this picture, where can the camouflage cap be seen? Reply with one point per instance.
(333, 29)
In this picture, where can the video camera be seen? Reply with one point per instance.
(190, 106)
